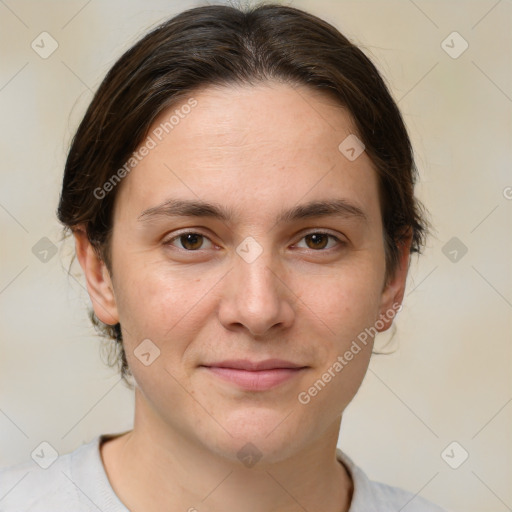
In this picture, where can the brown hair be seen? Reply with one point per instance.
(221, 45)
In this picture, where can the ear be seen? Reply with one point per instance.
(99, 284)
(394, 288)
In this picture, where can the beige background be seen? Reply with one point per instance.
(449, 380)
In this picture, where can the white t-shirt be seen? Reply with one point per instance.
(77, 482)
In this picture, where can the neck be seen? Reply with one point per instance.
(154, 468)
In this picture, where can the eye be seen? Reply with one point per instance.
(320, 240)
(190, 241)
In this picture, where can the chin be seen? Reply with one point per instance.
(263, 435)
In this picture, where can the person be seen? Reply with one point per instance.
(241, 196)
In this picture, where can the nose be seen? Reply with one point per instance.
(256, 298)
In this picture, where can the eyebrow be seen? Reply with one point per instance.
(196, 208)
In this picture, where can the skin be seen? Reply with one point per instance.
(201, 302)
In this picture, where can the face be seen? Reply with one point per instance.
(282, 259)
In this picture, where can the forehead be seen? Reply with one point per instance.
(269, 141)
(262, 117)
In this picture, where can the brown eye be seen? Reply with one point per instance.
(319, 241)
(189, 241)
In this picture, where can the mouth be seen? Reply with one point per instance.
(255, 376)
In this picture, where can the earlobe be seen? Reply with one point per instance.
(393, 293)
(99, 283)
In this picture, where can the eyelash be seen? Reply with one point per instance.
(340, 243)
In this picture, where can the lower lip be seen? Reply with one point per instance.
(255, 380)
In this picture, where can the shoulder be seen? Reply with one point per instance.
(46, 485)
(370, 496)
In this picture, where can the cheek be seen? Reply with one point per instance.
(343, 303)
(343, 308)
(343, 313)
(165, 308)
(162, 304)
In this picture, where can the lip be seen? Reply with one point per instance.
(255, 376)
(247, 364)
